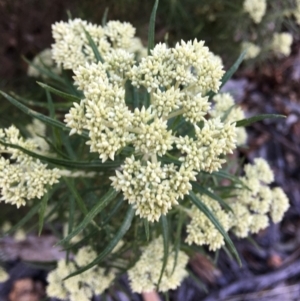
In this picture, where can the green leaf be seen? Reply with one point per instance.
(165, 234)
(151, 31)
(104, 18)
(64, 95)
(25, 219)
(103, 202)
(213, 196)
(93, 46)
(198, 282)
(70, 221)
(43, 207)
(115, 209)
(248, 121)
(111, 245)
(84, 165)
(233, 69)
(50, 104)
(30, 102)
(34, 114)
(76, 195)
(45, 71)
(203, 208)
(225, 175)
(146, 225)
(178, 237)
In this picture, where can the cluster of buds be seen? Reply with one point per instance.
(22, 177)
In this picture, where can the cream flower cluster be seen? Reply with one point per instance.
(43, 60)
(256, 200)
(252, 50)
(151, 188)
(225, 108)
(80, 287)
(37, 131)
(177, 80)
(281, 43)
(250, 208)
(201, 230)
(144, 276)
(3, 275)
(256, 9)
(22, 177)
(71, 48)
(296, 12)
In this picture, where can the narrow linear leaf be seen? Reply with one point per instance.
(203, 190)
(167, 297)
(30, 102)
(228, 112)
(198, 282)
(203, 208)
(50, 104)
(103, 202)
(76, 195)
(233, 69)
(45, 71)
(85, 165)
(43, 207)
(146, 226)
(116, 208)
(104, 18)
(225, 175)
(62, 94)
(165, 234)
(111, 245)
(70, 221)
(34, 114)
(248, 121)
(93, 46)
(25, 219)
(178, 238)
(151, 31)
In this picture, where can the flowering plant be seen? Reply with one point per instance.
(135, 169)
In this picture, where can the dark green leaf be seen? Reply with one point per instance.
(111, 245)
(30, 102)
(233, 69)
(85, 165)
(198, 282)
(34, 114)
(248, 121)
(43, 207)
(116, 207)
(151, 30)
(45, 71)
(104, 18)
(165, 234)
(64, 95)
(76, 195)
(93, 46)
(25, 219)
(203, 208)
(103, 202)
(203, 190)
(178, 237)
(146, 225)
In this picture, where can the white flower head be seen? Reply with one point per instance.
(281, 43)
(144, 276)
(256, 9)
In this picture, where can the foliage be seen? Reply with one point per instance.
(137, 181)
